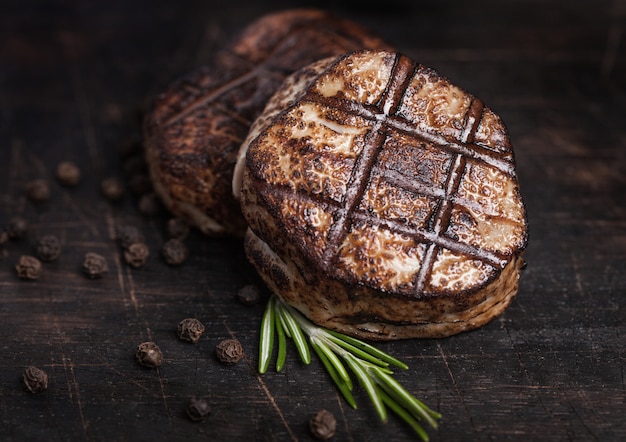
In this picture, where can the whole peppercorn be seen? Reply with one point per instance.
(68, 174)
(249, 294)
(177, 228)
(127, 235)
(94, 265)
(112, 188)
(149, 355)
(35, 379)
(323, 425)
(174, 252)
(149, 204)
(17, 228)
(190, 329)
(198, 409)
(48, 248)
(136, 254)
(28, 267)
(229, 351)
(38, 191)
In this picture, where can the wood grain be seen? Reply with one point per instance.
(74, 78)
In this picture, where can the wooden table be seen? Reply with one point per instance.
(74, 78)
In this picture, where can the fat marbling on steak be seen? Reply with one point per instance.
(193, 130)
(382, 200)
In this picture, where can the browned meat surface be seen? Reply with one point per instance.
(194, 129)
(382, 200)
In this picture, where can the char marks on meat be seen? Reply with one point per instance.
(382, 200)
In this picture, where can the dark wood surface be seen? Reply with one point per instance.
(74, 79)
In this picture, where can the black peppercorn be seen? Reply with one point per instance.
(198, 409)
(174, 252)
(17, 228)
(229, 351)
(136, 254)
(68, 174)
(48, 248)
(190, 329)
(149, 204)
(28, 267)
(177, 228)
(38, 191)
(112, 188)
(127, 235)
(323, 425)
(94, 265)
(149, 355)
(249, 294)
(35, 379)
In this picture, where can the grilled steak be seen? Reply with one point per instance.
(193, 130)
(382, 200)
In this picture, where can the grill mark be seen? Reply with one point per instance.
(485, 155)
(334, 28)
(374, 141)
(405, 182)
(418, 187)
(285, 192)
(427, 236)
(214, 95)
(444, 211)
(464, 149)
(354, 192)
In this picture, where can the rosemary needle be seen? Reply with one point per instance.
(368, 364)
(267, 336)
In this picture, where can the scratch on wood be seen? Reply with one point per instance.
(131, 290)
(262, 383)
(118, 268)
(133, 298)
(526, 373)
(583, 400)
(267, 392)
(621, 363)
(164, 398)
(72, 385)
(579, 288)
(456, 386)
(76, 209)
(343, 416)
(128, 378)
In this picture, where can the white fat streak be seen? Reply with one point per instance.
(450, 269)
(330, 86)
(367, 73)
(405, 267)
(341, 139)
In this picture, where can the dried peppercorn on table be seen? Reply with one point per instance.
(74, 80)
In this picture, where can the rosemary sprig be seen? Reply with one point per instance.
(369, 365)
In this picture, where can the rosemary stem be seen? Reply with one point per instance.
(369, 364)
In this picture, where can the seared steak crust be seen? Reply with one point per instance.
(383, 201)
(193, 130)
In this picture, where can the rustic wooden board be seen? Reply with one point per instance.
(74, 77)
